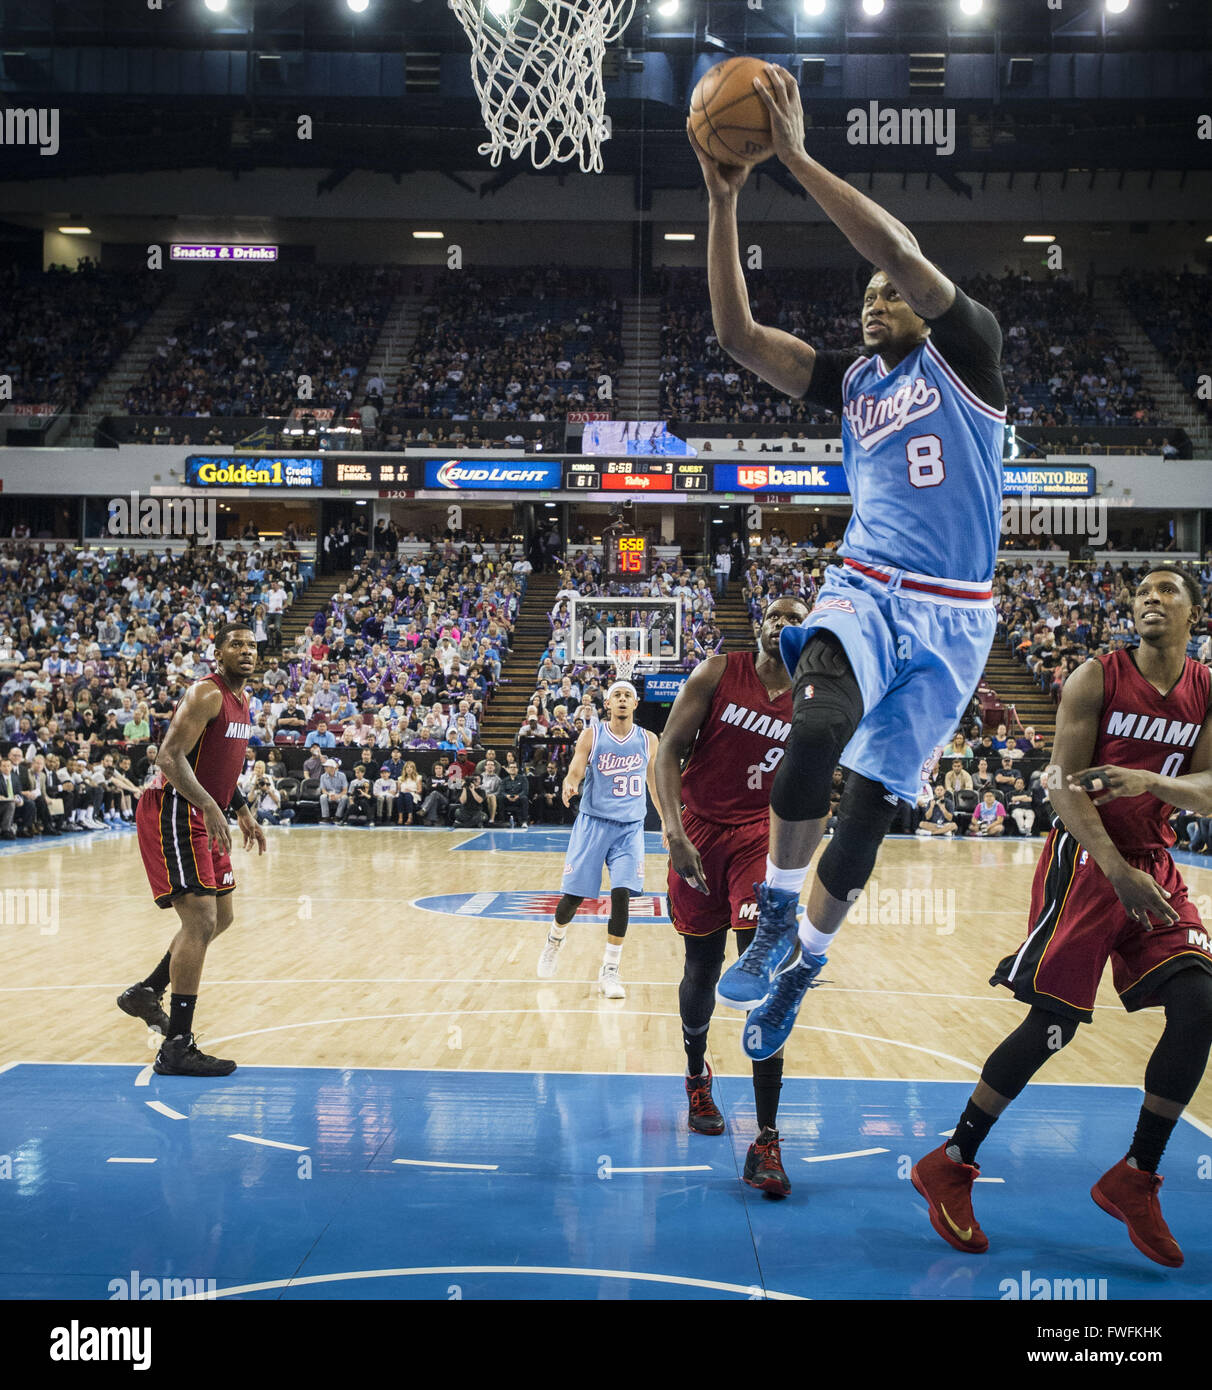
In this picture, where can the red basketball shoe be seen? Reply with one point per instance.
(764, 1165)
(1130, 1195)
(704, 1116)
(947, 1188)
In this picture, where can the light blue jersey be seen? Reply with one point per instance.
(609, 829)
(923, 461)
(912, 604)
(616, 778)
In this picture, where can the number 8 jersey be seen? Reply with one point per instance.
(616, 777)
(922, 447)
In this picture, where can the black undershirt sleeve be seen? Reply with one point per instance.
(969, 340)
(967, 337)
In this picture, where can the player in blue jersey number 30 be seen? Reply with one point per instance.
(884, 665)
(614, 760)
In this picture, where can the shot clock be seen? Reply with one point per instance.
(627, 556)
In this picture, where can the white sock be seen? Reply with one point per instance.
(786, 880)
(816, 943)
(612, 955)
(557, 932)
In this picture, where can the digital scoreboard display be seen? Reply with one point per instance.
(370, 472)
(627, 556)
(638, 475)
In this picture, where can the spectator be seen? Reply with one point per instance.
(334, 793)
(989, 817)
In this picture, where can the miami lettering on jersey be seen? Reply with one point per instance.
(235, 730)
(764, 725)
(1130, 724)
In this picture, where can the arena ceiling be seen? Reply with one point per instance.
(1034, 88)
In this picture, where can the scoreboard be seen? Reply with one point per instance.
(369, 471)
(637, 475)
(627, 555)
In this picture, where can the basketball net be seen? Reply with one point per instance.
(625, 660)
(540, 79)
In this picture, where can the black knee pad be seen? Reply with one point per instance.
(620, 906)
(864, 816)
(704, 959)
(826, 709)
(566, 908)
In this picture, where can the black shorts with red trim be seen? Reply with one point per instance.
(734, 859)
(176, 849)
(1078, 922)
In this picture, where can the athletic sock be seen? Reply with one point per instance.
(974, 1125)
(767, 1083)
(814, 942)
(557, 932)
(181, 1015)
(158, 979)
(1152, 1134)
(785, 880)
(612, 955)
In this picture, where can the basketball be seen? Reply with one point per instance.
(727, 117)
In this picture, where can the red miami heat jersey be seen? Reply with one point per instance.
(217, 759)
(1141, 727)
(739, 748)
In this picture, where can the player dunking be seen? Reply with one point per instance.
(614, 759)
(885, 663)
(185, 843)
(1105, 874)
(735, 711)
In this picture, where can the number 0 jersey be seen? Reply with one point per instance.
(740, 745)
(1141, 727)
(616, 777)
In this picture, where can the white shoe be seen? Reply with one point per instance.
(609, 983)
(925, 834)
(92, 822)
(549, 959)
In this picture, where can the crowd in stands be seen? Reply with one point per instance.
(61, 331)
(524, 346)
(248, 339)
(1061, 366)
(1174, 312)
(96, 647)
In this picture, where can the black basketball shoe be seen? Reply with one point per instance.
(704, 1116)
(141, 1001)
(764, 1165)
(179, 1056)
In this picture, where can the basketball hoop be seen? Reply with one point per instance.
(625, 661)
(539, 75)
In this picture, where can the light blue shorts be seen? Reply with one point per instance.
(917, 653)
(595, 844)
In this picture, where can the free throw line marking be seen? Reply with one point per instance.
(854, 1153)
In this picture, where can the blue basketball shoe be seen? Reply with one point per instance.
(747, 982)
(769, 1025)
